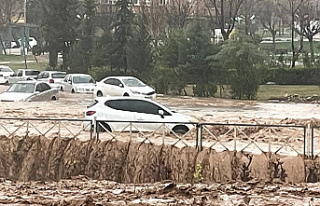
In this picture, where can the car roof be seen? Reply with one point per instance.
(79, 74)
(27, 82)
(121, 98)
(122, 77)
(5, 66)
(27, 70)
(54, 72)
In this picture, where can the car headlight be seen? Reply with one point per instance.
(135, 92)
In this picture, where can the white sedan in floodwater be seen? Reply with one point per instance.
(123, 86)
(27, 91)
(78, 83)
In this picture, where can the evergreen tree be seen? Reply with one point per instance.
(59, 28)
(140, 57)
(241, 60)
(197, 69)
(80, 57)
(122, 33)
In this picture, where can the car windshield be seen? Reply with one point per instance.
(22, 87)
(5, 69)
(133, 82)
(82, 79)
(32, 73)
(58, 75)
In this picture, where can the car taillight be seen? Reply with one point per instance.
(89, 113)
(51, 81)
(1, 75)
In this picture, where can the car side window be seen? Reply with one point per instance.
(119, 105)
(135, 106)
(46, 75)
(20, 74)
(45, 87)
(109, 81)
(146, 107)
(39, 88)
(116, 82)
(40, 76)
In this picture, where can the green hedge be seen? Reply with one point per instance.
(296, 76)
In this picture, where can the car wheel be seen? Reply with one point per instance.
(61, 89)
(102, 129)
(99, 94)
(126, 95)
(72, 91)
(180, 129)
(53, 98)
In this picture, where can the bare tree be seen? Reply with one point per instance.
(292, 7)
(309, 23)
(224, 14)
(268, 13)
(10, 13)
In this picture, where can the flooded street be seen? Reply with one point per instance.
(54, 165)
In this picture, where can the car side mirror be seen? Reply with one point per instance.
(161, 113)
(120, 85)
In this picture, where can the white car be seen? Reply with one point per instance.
(22, 75)
(53, 78)
(123, 86)
(5, 73)
(78, 83)
(29, 91)
(32, 42)
(136, 109)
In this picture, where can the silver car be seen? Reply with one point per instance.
(78, 83)
(29, 91)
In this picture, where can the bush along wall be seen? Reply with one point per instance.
(295, 76)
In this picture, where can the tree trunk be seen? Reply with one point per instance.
(293, 63)
(53, 58)
(273, 42)
(311, 49)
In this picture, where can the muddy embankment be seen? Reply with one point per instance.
(44, 159)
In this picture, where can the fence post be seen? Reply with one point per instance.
(235, 139)
(199, 137)
(95, 127)
(163, 133)
(130, 131)
(308, 139)
(312, 142)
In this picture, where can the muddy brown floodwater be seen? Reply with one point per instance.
(53, 171)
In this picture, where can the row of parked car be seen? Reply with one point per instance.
(118, 98)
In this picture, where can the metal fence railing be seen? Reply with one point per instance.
(71, 128)
(256, 138)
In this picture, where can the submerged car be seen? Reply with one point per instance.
(23, 74)
(29, 91)
(138, 110)
(53, 78)
(78, 83)
(5, 73)
(123, 86)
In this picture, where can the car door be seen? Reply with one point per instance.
(66, 83)
(117, 88)
(118, 110)
(107, 86)
(146, 111)
(37, 93)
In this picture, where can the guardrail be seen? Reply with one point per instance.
(257, 138)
